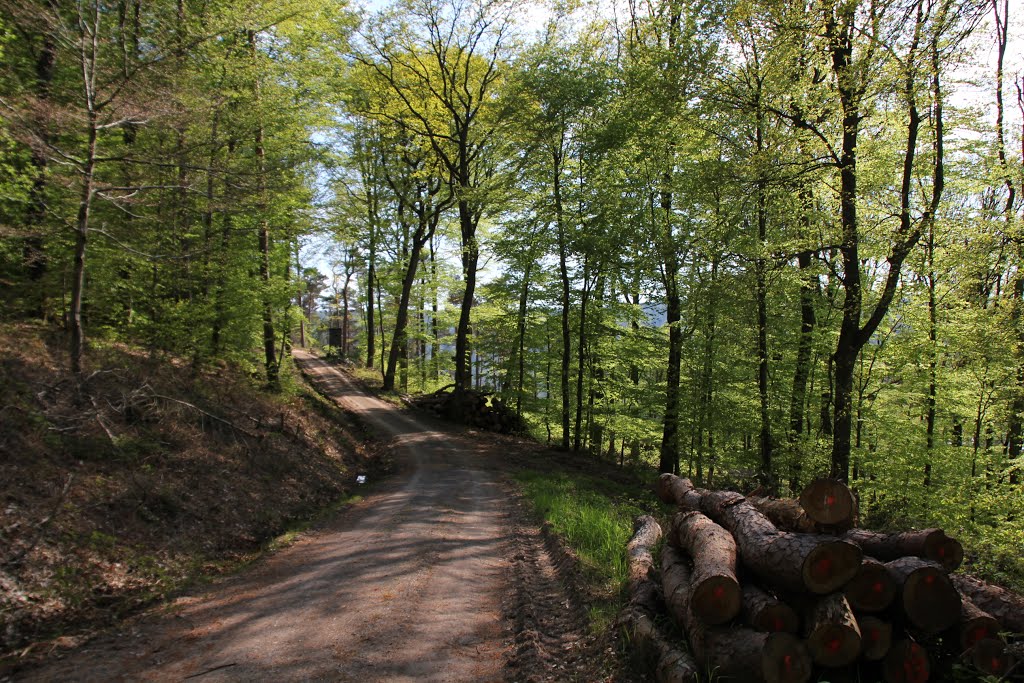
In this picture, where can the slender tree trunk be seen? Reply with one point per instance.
(761, 294)
(668, 460)
(929, 220)
(563, 271)
(470, 257)
(801, 371)
(400, 338)
(219, 306)
(380, 322)
(435, 331)
(524, 294)
(263, 235)
(81, 240)
(581, 356)
(1015, 430)
(344, 318)
(89, 45)
(33, 253)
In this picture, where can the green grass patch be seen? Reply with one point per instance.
(594, 516)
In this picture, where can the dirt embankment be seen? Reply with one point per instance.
(120, 487)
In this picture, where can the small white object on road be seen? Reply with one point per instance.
(361, 479)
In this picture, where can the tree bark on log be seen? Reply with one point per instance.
(906, 662)
(931, 544)
(646, 533)
(715, 595)
(1006, 606)
(671, 664)
(765, 612)
(929, 599)
(732, 654)
(784, 513)
(876, 637)
(872, 589)
(833, 635)
(795, 562)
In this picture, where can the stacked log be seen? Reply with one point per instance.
(771, 589)
(671, 663)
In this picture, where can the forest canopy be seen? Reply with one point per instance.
(741, 240)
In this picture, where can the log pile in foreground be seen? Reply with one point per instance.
(777, 590)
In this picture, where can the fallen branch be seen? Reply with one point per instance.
(210, 415)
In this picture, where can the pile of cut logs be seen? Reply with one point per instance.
(470, 408)
(783, 590)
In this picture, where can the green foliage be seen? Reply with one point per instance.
(593, 179)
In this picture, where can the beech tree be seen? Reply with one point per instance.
(444, 61)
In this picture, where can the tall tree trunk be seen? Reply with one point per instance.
(802, 364)
(853, 335)
(1015, 428)
(81, 240)
(33, 252)
(263, 236)
(761, 294)
(89, 28)
(435, 330)
(524, 294)
(581, 355)
(563, 271)
(470, 257)
(668, 459)
(400, 338)
(219, 305)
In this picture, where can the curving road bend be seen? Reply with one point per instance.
(406, 586)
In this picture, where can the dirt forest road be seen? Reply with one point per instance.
(433, 577)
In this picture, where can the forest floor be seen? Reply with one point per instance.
(437, 573)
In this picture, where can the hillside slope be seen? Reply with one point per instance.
(142, 476)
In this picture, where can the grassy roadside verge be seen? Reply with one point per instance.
(594, 516)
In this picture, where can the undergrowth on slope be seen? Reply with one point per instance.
(142, 475)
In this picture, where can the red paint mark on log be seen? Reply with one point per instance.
(915, 668)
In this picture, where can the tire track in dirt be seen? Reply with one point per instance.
(436, 576)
